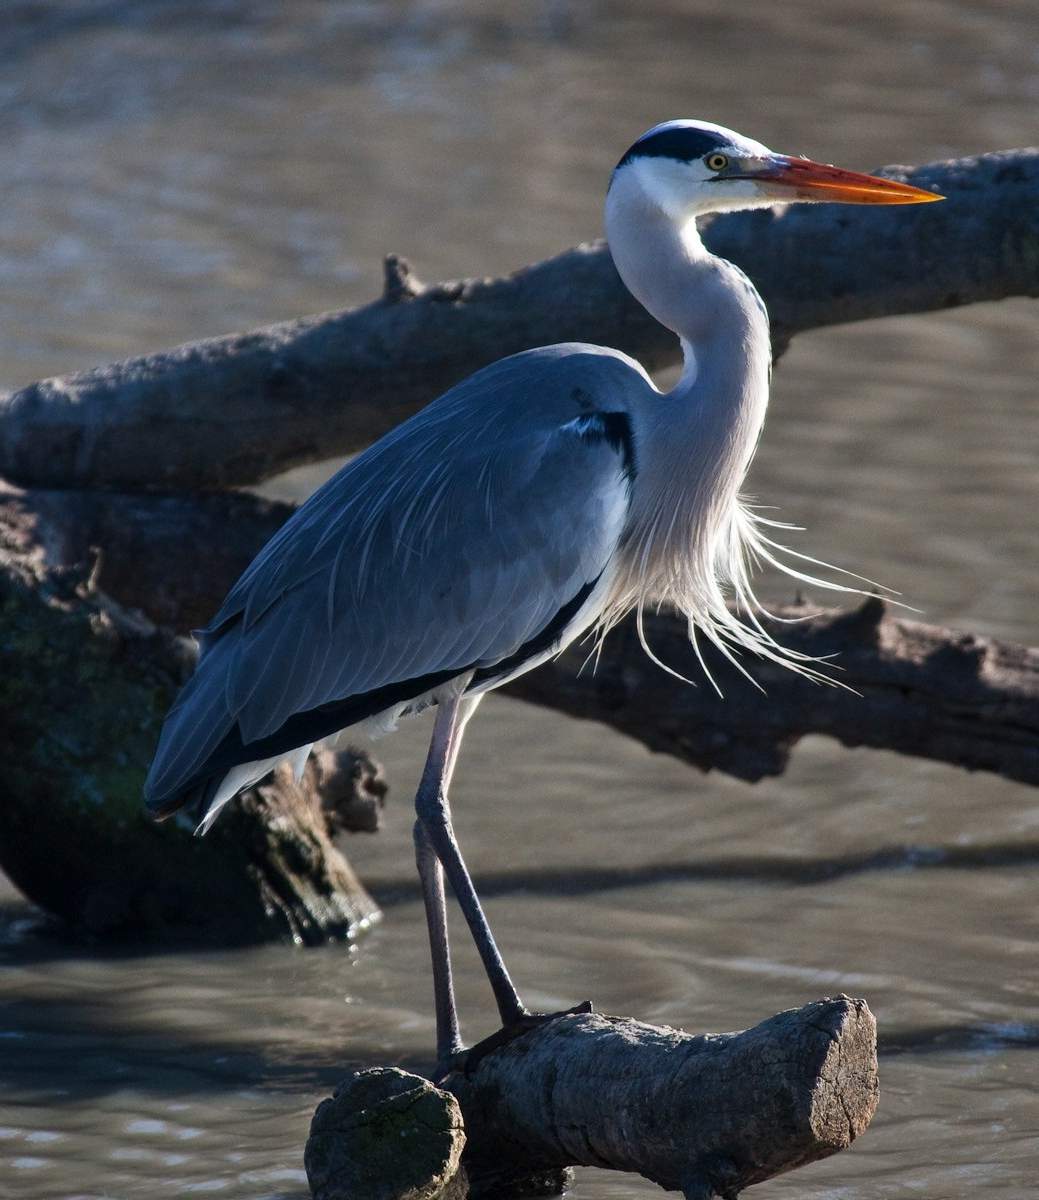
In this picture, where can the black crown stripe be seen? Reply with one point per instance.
(682, 144)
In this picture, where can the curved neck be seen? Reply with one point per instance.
(699, 438)
(709, 303)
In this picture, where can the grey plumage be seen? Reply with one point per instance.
(445, 547)
(555, 491)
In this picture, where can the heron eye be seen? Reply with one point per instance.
(716, 162)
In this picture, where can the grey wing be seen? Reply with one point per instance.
(456, 544)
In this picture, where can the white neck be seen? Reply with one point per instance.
(689, 539)
(709, 303)
(697, 440)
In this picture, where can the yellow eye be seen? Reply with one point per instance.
(716, 162)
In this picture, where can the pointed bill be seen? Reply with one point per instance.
(802, 179)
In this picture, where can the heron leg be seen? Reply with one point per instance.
(449, 1038)
(434, 812)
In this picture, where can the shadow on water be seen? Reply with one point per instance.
(93, 1051)
(984, 1037)
(792, 871)
(70, 1052)
(27, 935)
(95, 1048)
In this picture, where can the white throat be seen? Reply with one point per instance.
(657, 249)
(690, 538)
(688, 528)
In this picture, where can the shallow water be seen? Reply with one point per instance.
(178, 170)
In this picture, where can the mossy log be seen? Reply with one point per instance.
(84, 687)
(707, 1115)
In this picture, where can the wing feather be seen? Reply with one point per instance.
(447, 546)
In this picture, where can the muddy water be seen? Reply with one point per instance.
(177, 170)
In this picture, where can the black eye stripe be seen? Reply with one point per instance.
(684, 145)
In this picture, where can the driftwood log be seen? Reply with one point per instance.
(919, 689)
(84, 687)
(237, 409)
(173, 557)
(707, 1116)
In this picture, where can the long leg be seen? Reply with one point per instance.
(434, 813)
(443, 754)
(449, 1037)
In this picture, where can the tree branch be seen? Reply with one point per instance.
(919, 689)
(707, 1116)
(238, 409)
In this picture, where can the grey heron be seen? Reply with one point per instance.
(542, 498)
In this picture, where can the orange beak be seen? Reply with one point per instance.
(802, 179)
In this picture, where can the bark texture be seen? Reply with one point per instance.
(387, 1135)
(234, 410)
(705, 1115)
(173, 556)
(919, 689)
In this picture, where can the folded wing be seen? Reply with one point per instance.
(467, 540)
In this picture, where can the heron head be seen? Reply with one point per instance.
(690, 167)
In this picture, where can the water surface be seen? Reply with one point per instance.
(178, 170)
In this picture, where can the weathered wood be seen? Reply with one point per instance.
(237, 409)
(84, 687)
(922, 689)
(386, 1135)
(704, 1115)
(918, 689)
(172, 556)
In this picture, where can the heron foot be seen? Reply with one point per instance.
(449, 1065)
(466, 1061)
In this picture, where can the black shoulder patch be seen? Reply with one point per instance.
(613, 428)
(683, 143)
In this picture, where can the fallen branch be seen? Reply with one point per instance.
(707, 1116)
(919, 689)
(238, 409)
(173, 556)
(84, 687)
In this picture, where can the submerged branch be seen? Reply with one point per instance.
(234, 410)
(84, 688)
